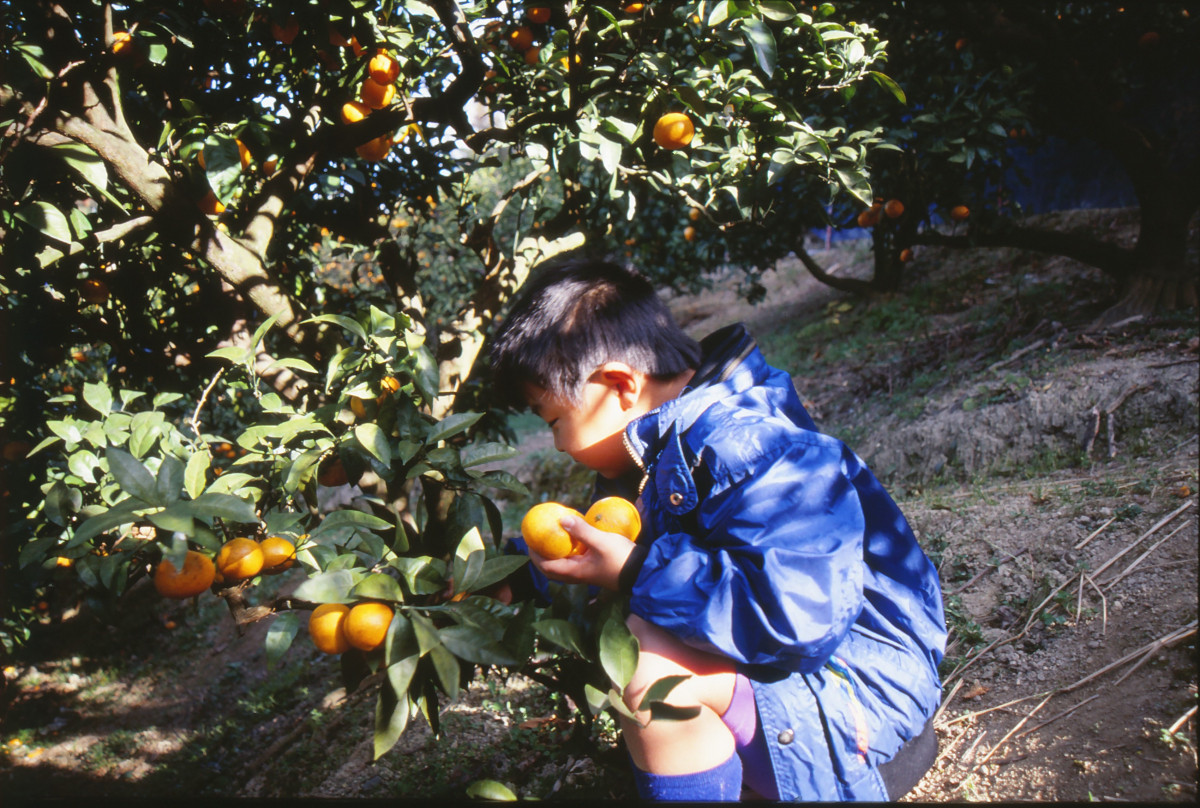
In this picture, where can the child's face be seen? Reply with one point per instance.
(591, 431)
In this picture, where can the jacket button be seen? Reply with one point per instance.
(786, 737)
(676, 498)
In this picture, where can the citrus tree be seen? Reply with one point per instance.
(253, 252)
(987, 83)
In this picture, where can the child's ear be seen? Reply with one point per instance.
(626, 382)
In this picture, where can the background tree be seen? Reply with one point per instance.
(253, 251)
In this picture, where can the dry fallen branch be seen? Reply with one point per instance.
(1009, 734)
(1094, 534)
(1059, 715)
(1033, 346)
(1179, 722)
(946, 701)
(987, 710)
(1143, 537)
(1164, 641)
(1111, 581)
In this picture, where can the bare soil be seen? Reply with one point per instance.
(1055, 486)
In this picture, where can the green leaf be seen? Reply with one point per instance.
(473, 645)
(85, 161)
(378, 586)
(371, 438)
(238, 356)
(661, 689)
(280, 635)
(497, 569)
(400, 673)
(122, 513)
(346, 323)
(83, 465)
(777, 10)
(391, 718)
(618, 651)
(447, 668)
(195, 474)
(481, 453)
(62, 501)
(292, 364)
(176, 517)
(224, 506)
(887, 83)
(401, 644)
(490, 790)
(98, 397)
(762, 42)
(453, 425)
(48, 219)
(170, 479)
(261, 331)
(326, 587)
(144, 431)
(562, 633)
(134, 478)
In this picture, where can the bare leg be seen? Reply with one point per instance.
(678, 747)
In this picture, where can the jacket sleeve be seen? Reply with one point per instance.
(770, 570)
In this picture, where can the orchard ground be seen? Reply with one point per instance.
(1049, 468)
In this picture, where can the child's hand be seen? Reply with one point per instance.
(600, 563)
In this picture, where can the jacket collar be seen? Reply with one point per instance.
(723, 353)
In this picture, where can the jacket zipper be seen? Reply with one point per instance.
(637, 461)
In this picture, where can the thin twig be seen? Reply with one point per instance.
(978, 713)
(1091, 441)
(1033, 346)
(1111, 581)
(1009, 734)
(1059, 715)
(195, 421)
(1162, 642)
(1110, 422)
(985, 571)
(1142, 537)
(1079, 599)
(1095, 533)
(1103, 606)
(1133, 388)
(1171, 730)
(976, 743)
(946, 701)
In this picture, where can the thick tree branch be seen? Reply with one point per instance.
(852, 285)
(1114, 260)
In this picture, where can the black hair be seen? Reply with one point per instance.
(572, 318)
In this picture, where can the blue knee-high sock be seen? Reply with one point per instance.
(722, 782)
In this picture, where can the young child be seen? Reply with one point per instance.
(772, 569)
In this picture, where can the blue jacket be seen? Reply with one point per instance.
(774, 545)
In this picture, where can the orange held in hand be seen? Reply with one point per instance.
(239, 559)
(615, 515)
(196, 576)
(325, 627)
(367, 624)
(543, 533)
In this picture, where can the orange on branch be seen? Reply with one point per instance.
(210, 205)
(367, 624)
(197, 575)
(279, 554)
(239, 559)
(383, 68)
(543, 533)
(376, 95)
(689, 233)
(94, 291)
(960, 213)
(538, 14)
(906, 255)
(894, 209)
(532, 54)
(868, 218)
(333, 474)
(521, 38)
(325, 626)
(376, 148)
(674, 130)
(615, 515)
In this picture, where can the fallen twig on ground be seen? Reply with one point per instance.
(1033, 346)
(946, 701)
(1009, 734)
(984, 711)
(1094, 534)
(1164, 641)
(1111, 581)
(1143, 537)
(1181, 721)
(1059, 715)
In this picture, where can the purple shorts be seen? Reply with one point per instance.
(742, 719)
